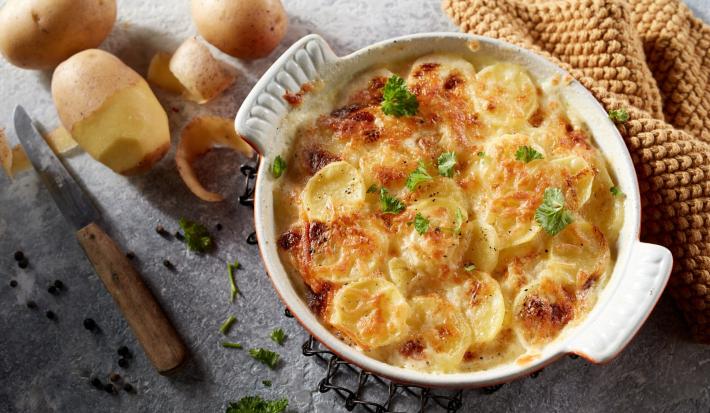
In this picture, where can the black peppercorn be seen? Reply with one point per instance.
(179, 236)
(115, 377)
(128, 388)
(13, 283)
(130, 255)
(58, 284)
(110, 388)
(96, 382)
(31, 304)
(123, 351)
(50, 315)
(90, 324)
(19, 256)
(52, 290)
(122, 362)
(218, 226)
(168, 264)
(23, 263)
(161, 231)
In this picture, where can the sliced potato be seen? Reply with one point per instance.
(337, 189)
(505, 97)
(480, 298)
(202, 76)
(372, 312)
(198, 137)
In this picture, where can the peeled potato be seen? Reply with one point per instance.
(110, 111)
(160, 75)
(14, 160)
(202, 76)
(39, 34)
(198, 137)
(247, 29)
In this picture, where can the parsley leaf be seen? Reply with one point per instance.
(618, 115)
(458, 222)
(197, 237)
(418, 176)
(255, 404)
(278, 167)
(278, 336)
(372, 189)
(616, 191)
(551, 214)
(469, 267)
(227, 344)
(227, 325)
(446, 163)
(481, 154)
(421, 223)
(233, 290)
(390, 204)
(265, 356)
(397, 100)
(527, 154)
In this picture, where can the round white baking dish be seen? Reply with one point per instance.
(639, 275)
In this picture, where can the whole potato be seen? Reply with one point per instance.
(248, 29)
(40, 34)
(110, 111)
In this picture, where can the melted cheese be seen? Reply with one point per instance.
(478, 283)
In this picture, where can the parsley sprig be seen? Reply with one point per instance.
(265, 356)
(197, 238)
(421, 223)
(616, 191)
(618, 115)
(278, 336)
(227, 325)
(527, 154)
(233, 290)
(446, 164)
(278, 167)
(255, 404)
(551, 214)
(397, 99)
(390, 204)
(418, 176)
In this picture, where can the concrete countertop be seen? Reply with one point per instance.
(45, 365)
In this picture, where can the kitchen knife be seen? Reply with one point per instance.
(154, 332)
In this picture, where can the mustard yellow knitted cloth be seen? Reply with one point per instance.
(651, 57)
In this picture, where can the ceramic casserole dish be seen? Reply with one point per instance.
(639, 275)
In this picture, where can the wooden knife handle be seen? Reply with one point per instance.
(151, 326)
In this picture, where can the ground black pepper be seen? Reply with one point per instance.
(50, 315)
(13, 283)
(90, 324)
(32, 305)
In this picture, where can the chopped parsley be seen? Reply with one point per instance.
(397, 100)
(227, 325)
(266, 383)
(197, 237)
(418, 176)
(618, 115)
(527, 154)
(421, 223)
(459, 222)
(469, 267)
(551, 214)
(446, 163)
(233, 290)
(390, 204)
(278, 167)
(227, 344)
(278, 336)
(616, 191)
(255, 404)
(481, 154)
(372, 189)
(265, 356)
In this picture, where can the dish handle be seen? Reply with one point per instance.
(265, 107)
(646, 276)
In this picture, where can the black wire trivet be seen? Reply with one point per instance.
(357, 387)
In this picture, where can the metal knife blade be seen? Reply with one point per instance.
(70, 198)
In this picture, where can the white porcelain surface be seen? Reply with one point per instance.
(639, 276)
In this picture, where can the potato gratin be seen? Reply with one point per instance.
(449, 219)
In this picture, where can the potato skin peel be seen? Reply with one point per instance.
(202, 76)
(199, 137)
(39, 34)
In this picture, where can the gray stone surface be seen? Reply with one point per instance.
(44, 365)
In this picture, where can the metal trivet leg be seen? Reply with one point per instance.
(247, 197)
